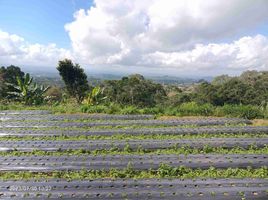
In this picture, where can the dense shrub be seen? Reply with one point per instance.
(130, 110)
(153, 110)
(94, 109)
(193, 109)
(54, 94)
(171, 111)
(244, 111)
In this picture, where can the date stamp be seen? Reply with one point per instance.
(22, 188)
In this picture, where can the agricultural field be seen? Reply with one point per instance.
(102, 156)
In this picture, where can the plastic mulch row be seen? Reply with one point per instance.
(145, 131)
(51, 117)
(137, 162)
(212, 189)
(24, 112)
(59, 145)
(199, 122)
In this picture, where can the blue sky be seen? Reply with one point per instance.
(40, 21)
(174, 37)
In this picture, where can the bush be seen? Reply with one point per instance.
(244, 111)
(130, 110)
(94, 109)
(113, 108)
(3, 107)
(153, 110)
(193, 109)
(171, 111)
(54, 94)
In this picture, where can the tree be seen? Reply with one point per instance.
(207, 93)
(2, 84)
(233, 91)
(219, 80)
(134, 90)
(250, 77)
(74, 78)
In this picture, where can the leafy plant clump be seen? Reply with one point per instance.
(27, 92)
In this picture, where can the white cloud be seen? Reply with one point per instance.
(247, 53)
(15, 50)
(153, 33)
(167, 36)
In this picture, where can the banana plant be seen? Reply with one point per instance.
(94, 97)
(25, 92)
(38, 93)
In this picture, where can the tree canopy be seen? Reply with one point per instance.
(134, 90)
(249, 88)
(74, 78)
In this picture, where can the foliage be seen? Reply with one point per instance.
(95, 97)
(26, 92)
(242, 96)
(243, 111)
(186, 109)
(134, 90)
(74, 78)
(193, 109)
(94, 109)
(163, 171)
(178, 99)
(8, 75)
(54, 94)
(251, 88)
(222, 79)
(130, 110)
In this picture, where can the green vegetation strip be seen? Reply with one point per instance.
(115, 127)
(164, 171)
(126, 127)
(128, 151)
(136, 137)
(200, 122)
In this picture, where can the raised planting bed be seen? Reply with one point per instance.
(137, 162)
(170, 189)
(198, 122)
(140, 131)
(139, 148)
(59, 145)
(51, 117)
(24, 112)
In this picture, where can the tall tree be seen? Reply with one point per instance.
(74, 78)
